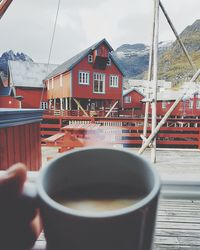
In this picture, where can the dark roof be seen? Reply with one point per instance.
(69, 64)
(6, 91)
(16, 117)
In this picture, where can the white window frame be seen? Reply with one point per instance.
(90, 58)
(191, 103)
(127, 99)
(198, 104)
(164, 104)
(101, 79)
(114, 81)
(84, 78)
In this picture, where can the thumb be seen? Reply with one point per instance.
(12, 181)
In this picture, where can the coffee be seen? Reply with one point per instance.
(99, 199)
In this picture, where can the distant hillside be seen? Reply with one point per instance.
(10, 55)
(173, 65)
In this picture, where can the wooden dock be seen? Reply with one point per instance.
(177, 227)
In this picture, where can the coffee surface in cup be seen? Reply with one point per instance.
(99, 199)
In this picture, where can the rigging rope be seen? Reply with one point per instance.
(51, 46)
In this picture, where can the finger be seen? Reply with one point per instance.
(12, 181)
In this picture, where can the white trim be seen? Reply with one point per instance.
(61, 80)
(48, 84)
(198, 104)
(52, 82)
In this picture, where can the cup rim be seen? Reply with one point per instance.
(74, 212)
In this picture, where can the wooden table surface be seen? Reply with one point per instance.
(177, 226)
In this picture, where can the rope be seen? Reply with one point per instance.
(51, 46)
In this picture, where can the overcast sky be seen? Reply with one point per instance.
(27, 26)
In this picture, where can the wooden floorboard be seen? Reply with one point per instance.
(177, 226)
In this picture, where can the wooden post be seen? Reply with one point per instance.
(155, 79)
(79, 106)
(164, 119)
(147, 104)
(178, 38)
(66, 103)
(111, 109)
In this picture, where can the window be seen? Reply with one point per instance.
(84, 78)
(190, 104)
(44, 105)
(90, 58)
(109, 62)
(127, 99)
(198, 104)
(99, 83)
(114, 81)
(164, 104)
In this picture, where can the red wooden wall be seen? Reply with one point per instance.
(20, 137)
(9, 102)
(31, 97)
(20, 144)
(135, 101)
(86, 91)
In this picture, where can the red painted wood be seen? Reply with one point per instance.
(31, 97)
(20, 144)
(9, 102)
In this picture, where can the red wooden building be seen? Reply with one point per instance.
(91, 80)
(189, 106)
(26, 80)
(132, 101)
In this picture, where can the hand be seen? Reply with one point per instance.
(19, 220)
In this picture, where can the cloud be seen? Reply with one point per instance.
(27, 26)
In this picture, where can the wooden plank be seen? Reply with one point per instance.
(177, 232)
(28, 148)
(3, 149)
(177, 225)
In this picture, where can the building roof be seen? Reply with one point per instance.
(127, 91)
(28, 74)
(6, 91)
(69, 64)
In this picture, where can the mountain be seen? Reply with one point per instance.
(173, 65)
(10, 55)
(134, 58)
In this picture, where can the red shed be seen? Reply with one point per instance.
(132, 101)
(92, 79)
(26, 80)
